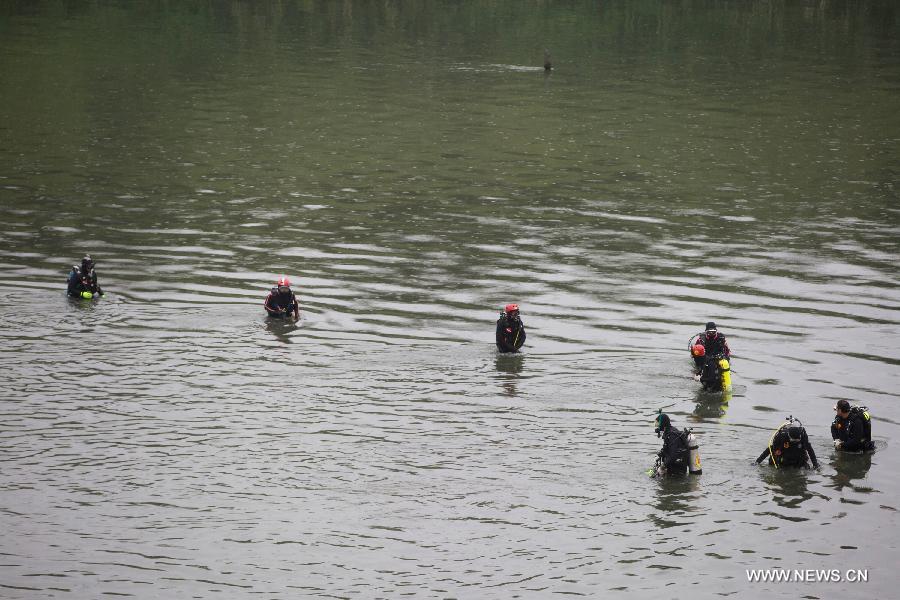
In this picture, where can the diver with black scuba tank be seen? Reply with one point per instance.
(789, 447)
(282, 302)
(510, 329)
(851, 429)
(680, 452)
(82, 280)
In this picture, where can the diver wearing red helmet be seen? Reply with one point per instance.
(510, 329)
(281, 301)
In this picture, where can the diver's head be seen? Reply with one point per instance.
(842, 408)
(711, 331)
(663, 423)
(87, 263)
(512, 311)
(795, 432)
(283, 284)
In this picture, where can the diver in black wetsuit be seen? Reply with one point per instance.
(83, 278)
(852, 428)
(281, 301)
(510, 329)
(714, 344)
(790, 447)
(674, 456)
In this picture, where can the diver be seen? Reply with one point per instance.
(510, 329)
(680, 451)
(711, 344)
(852, 428)
(82, 280)
(789, 447)
(281, 301)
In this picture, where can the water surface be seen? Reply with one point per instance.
(412, 168)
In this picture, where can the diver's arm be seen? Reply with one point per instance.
(809, 450)
(72, 283)
(835, 432)
(763, 456)
(502, 344)
(662, 451)
(269, 308)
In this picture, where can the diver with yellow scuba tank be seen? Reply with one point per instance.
(789, 446)
(712, 356)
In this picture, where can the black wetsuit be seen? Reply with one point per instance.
(510, 333)
(711, 374)
(855, 432)
(714, 347)
(80, 281)
(674, 454)
(280, 304)
(789, 449)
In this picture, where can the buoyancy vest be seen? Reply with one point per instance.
(279, 300)
(713, 346)
(676, 453)
(510, 332)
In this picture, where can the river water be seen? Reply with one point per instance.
(412, 167)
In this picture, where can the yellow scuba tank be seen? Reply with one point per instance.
(726, 373)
